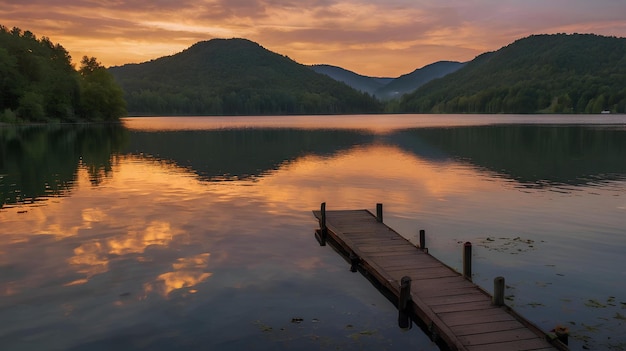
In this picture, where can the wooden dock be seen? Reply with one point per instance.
(456, 313)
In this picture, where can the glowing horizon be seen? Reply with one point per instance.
(369, 37)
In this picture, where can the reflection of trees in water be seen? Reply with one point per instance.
(533, 155)
(241, 153)
(40, 161)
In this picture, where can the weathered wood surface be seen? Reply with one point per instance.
(457, 311)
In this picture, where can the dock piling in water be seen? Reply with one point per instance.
(404, 321)
(323, 219)
(498, 291)
(354, 263)
(467, 261)
(322, 233)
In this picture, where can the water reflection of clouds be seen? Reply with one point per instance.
(366, 175)
(187, 272)
(92, 257)
(156, 233)
(149, 212)
(147, 205)
(87, 230)
(89, 259)
(92, 215)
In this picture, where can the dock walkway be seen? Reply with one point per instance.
(454, 310)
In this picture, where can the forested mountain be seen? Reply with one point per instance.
(234, 77)
(359, 82)
(579, 73)
(390, 88)
(38, 83)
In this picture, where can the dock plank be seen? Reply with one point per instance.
(494, 326)
(518, 345)
(432, 292)
(517, 334)
(473, 296)
(458, 311)
(463, 306)
(478, 316)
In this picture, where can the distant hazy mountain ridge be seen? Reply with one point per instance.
(362, 83)
(409, 82)
(389, 88)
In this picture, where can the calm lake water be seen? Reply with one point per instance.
(197, 233)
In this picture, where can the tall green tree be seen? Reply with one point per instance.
(102, 98)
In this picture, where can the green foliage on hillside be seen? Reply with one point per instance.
(579, 73)
(102, 98)
(38, 83)
(234, 77)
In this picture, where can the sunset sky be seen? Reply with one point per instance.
(370, 37)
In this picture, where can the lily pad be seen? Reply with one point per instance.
(594, 304)
(360, 334)
(620, 316)
(263, 327)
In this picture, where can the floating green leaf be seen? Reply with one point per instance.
(594, 304)
(590, 328)
(263, 327)
(358, 335)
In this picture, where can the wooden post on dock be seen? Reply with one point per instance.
(322, 233)
(498, 291)
(467, 260)
(422, 239)
(404, 321)
(379, 213)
